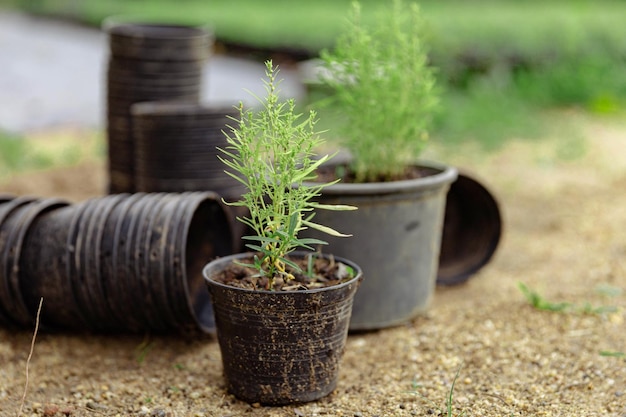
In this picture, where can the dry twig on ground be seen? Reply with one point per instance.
(30, 355)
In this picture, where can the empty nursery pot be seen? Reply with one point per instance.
(7, 206)
(44, 267)
(128, 262)
(15, 224)
(471, 231)
(281, 347)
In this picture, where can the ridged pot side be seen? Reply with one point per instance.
(281, 347)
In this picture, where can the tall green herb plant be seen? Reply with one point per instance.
(272, 153)
(383, 90)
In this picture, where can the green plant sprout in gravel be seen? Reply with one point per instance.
(271, 152)
(540, 303)
(449, 399)
(612, 354)
(383, 90)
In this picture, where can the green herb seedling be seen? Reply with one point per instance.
(383, 89)
(272, 153)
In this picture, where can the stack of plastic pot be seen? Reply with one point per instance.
(147, 62)
(119, 263)
(176, 148)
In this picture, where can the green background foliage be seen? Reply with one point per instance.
(501, 63)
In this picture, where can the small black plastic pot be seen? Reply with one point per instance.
(14, 282)
(281, 347)
(44, 266)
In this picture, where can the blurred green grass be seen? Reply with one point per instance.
(23, 153)
(557, 52)
(16, 155)
(488, 32)
(502, 64)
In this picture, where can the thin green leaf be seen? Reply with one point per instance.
(612, 354)
(291, 264)
(311, 241)
(293, 222)
(333, 207)
(264, 239)
(324, 229)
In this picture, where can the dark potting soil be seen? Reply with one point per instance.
(332, 172)
(320, 273)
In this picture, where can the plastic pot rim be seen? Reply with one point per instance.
(209, 267)
(134, 26)
(446, 174)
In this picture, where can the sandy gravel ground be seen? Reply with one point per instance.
(564, 237)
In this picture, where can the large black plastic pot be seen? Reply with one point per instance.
(397, 232)
(281, 347)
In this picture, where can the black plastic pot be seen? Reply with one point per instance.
(7, 206)
(471, 231)
(44, 266)
(16, 219)
(397, 232)
(281, 347)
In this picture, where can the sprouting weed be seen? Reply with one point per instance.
(143, 349)
(449, 409)
(540, 303)
(613, 354)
